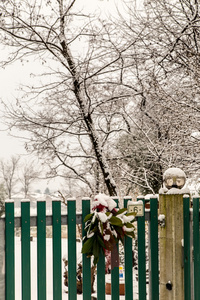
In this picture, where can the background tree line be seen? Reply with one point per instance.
(118, 102)
(16, 176)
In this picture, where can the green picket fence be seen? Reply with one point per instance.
(191, 253)
(191, 249)
(71, 219)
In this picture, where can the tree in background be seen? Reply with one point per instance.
(8, 171)
(48, 30)
(47, 191)
(131, 78)
(29, 172)
(164, 124)
(2, 199)
(139, 168)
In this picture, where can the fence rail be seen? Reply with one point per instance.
(191, 259)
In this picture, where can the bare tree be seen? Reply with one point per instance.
(85, 87)
(166, 130)
(29, 172)
(8, 172)
(131, 77)
(2, 199)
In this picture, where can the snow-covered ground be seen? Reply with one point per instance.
(49, 270)
(34, 268)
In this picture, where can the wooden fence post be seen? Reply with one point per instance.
(171, 251)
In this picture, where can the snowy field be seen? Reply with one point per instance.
(49, 270)
(49, 289)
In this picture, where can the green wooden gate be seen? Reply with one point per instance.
(149, 220)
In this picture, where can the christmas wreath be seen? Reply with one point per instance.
(106, 226)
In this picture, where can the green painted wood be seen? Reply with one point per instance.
(196, 245)
(101, 277)
(186, 226)
(86, 260)
(154, 248)
(25, 250)
(141, 256)
(57, 260)
(128, 258)
(71, 207)
(115, 270)
(41, 250)
(9, 252)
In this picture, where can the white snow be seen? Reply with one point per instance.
(99, 199)
(49, 267)
(149, 196)
(120, 216)
(195, 135)
(102, 217)
(90, 234)
(175, 191)
(171, 172)
(128, 229)
(185, 191)
(114, 233)
(25, 200)
(163, 190)
(94, 217)
(196, 195)
(109, 216)
(111, 203)
(138, 202)
(127, 219)
(49, 271)
(100, 228)
(135, 202)
(106, 237)
(127, 198)
(140, 197)
(161, 218)
(104, 200)
(9, 200)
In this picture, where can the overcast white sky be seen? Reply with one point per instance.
(11, 78)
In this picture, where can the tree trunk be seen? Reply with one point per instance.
(109, 182)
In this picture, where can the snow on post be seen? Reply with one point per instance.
(174, 178)
(171, 234)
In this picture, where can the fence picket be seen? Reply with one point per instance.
(41, 250)
(196, 245)
(71, 208)
(115, 270)
(141, 256)
(25, 250)
(57, 282)
(186, 228)
(128, 258)
(101, 277)
(154, 249)
(9, 251)
(86, 260)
